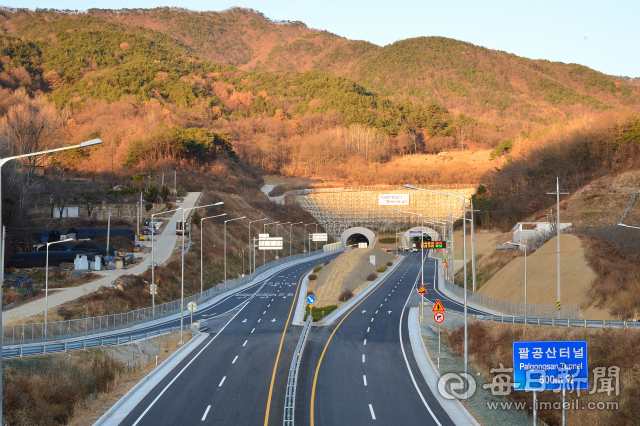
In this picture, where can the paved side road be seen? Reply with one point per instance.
(163, 245)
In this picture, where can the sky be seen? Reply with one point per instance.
(603, 35)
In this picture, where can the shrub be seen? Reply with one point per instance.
(372, 276)
(318, 313)
(148, 206)
(389, 263)
(382, 268)
(310, 293)
(317, 269)
(313, 277)
(346, 295)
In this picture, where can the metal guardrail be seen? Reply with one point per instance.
(556, 322)
(79, 345)
(514, 308)
(292, 380)
(375, 188)
(14, 334)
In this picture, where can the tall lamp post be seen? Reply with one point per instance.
(254, 261)
(421, 254)
(153, 265)
(291, 234)
(264, 231)
(304, 239)
(46, 285)
(201, 259)
(2, 163)
(184, 230)
(464, 255)
(280, 225)
(225, 244)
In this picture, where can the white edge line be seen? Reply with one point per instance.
(404, 354)
(205, 413)
(186, 366)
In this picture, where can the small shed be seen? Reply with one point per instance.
(87, 234)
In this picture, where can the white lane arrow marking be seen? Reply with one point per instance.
(389, 312)
(273, 320)
(245, 320)
(364, 311)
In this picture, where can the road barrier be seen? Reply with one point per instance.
(292, 380)
(14, 334)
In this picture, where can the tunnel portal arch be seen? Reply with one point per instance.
(353, 236)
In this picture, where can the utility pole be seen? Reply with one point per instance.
(557, 194)
(175, 184)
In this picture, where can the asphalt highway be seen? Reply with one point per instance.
(361, 370)
(236, 376)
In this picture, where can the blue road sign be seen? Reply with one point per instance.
(415, 233)
(311, 299)
(550, 365)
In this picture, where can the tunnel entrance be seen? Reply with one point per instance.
(355, 239)
(352, 236)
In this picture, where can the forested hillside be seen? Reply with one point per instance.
(170, 86)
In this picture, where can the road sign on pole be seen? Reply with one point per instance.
(192, 306)
(153, 289)
(438, 307)
(422, 290)
(438, 317)
(319, 237)
(311, 299)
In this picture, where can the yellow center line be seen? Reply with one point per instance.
(315, 377)
(275, 367)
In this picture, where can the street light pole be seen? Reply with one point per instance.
(153, 266)
(2, 163)
(286, 223)
(464, 256)
(304, 238)
(264, 231)
(525, 275)
(184, 230)
(254, 261)
(201, 258)
(225, 244)
(291, 234)
(46, 285)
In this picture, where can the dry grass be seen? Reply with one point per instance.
(488, 266)
(71, 389)
(617, 285)
(491, 344)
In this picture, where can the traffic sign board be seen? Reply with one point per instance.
(153, 289)
(310, 306)
(311, 299)
(438, 317)
(422, 290)
(438, 307)
(192, 306)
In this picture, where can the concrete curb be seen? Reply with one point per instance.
(298, 316)
(329, 319)
(112, 417)
(454, 408)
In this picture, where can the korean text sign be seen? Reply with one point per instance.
(550, 365)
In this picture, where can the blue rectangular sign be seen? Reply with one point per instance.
(415, 234)
(550, 365)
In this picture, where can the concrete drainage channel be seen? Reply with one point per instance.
(292, 379)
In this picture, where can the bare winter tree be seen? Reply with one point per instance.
(29, 126)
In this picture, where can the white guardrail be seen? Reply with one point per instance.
(18, 334)
(292, 380)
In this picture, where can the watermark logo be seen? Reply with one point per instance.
(457, 386)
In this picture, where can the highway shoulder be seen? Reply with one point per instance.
(454, 408)
(131, 399)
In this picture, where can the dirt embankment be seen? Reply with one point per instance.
(348, 272)
(576, 278)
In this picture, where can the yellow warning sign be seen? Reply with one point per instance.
(438, 307)
(422, 290)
